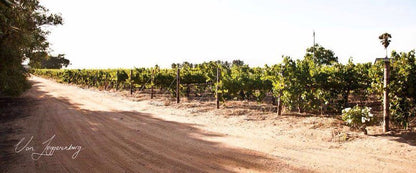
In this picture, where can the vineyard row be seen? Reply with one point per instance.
(298, 85)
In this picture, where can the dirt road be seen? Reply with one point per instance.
(115, 137)
(108, 133)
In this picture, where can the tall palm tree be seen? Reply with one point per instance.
(385, 40)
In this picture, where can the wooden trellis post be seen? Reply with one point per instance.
(279, 104)
(386, 105)
(151, 85)
(105, 82)
(131, 82)
(177, 86)
(117, 80)
(216, 88)
(386, 101)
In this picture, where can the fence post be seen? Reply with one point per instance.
(151, 85)
(106, 83)
(177, 86)
(216, 88)
(279, 104)
(95, 81)
(386, 105)
(88, 82)
(131, 82)
(117, 80)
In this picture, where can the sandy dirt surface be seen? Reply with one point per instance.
(117, 134)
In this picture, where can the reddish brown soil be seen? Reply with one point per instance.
(120, 135)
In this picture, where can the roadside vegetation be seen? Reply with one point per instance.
(316, 84)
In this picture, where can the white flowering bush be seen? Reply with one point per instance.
(357, 116)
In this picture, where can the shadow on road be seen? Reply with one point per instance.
(403, 137)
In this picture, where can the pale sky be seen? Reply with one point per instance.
(143, 33)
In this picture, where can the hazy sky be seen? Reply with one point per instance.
(137, 33)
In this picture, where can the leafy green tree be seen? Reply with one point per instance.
(238, 62)
(54, 62)
(21, 37)
(320, 55)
